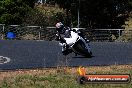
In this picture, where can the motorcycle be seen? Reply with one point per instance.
(75, 43)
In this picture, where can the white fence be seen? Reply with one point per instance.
(48, 33)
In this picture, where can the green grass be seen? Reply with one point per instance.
(62, 79)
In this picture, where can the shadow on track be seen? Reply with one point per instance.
(82, 57)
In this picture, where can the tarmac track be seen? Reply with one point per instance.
(26, 54)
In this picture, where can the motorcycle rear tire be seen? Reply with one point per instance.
(81, 48)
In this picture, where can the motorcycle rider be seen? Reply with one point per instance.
(62, 32)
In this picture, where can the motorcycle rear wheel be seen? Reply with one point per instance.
(81, 49)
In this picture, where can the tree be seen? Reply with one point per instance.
(98, 13)
(67, 6)
(31, 3)
(13, 11)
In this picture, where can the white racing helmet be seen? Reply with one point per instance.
(59, 25)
